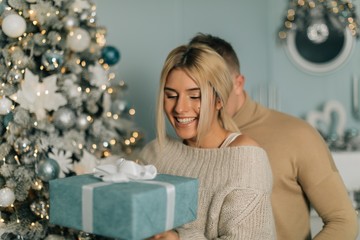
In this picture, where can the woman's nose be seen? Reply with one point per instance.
(182, 105)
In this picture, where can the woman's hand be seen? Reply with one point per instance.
(169, 235)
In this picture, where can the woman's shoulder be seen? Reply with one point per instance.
(243, 140)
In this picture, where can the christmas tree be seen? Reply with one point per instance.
(62, 110)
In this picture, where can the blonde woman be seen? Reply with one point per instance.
(235, 178)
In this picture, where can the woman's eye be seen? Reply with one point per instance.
(171, 96)
(195, 97)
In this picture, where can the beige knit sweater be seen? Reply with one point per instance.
(234, 189)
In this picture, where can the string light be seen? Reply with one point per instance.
(301, 12)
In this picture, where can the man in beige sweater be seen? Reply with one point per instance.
(303, 169)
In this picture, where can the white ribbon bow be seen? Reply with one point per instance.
(124, 171)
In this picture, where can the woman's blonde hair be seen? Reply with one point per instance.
(210, 72)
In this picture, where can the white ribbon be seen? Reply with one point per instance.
(124, 171)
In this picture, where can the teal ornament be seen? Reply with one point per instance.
(52, 59)
(48, 169)
(7, 119)
(110, 55)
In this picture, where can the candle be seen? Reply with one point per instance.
(355, 96)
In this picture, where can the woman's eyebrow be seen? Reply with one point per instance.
(188, 90)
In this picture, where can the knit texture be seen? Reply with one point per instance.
(234, 189)
(303, 172)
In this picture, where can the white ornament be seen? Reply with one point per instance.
(5, 105)
(64, 160)
(7, 197)
(13, 25)
(38, 97)
(78, 40)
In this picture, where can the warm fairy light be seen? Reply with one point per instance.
(80, 146)
(112, 75)
(94, 146)
(132, 111)
(112, 141)
(18, 220)
(87, 90)
(109, 114)
(103, 87)
(115, 117)
(106, 154)
(110, 90)
(132, 140)
(135, 134)
(78, 61)
(127, 142)
(83, 63)
(79, 89)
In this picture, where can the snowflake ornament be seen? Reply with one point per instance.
(37, 97)
(64, 160)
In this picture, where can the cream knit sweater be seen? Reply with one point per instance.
(234, 189)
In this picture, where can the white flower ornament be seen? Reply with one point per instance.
(37, 97)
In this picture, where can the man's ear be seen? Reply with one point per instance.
(239, 82)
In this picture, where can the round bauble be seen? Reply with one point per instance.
(5, 105)
(78, 40)
(70, 22)
(82, 122)
(64, 118)
(110, 55)
(22, 145)
(13, 25)
(14, 76)
(52, 59)
(7, 197)
(48, 169)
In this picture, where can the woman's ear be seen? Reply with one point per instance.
(219, 104)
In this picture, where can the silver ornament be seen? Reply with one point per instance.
(7, 197)
(82, 122)
(52, 59)
(64, 118)
(70, 22)
(118, 106)
(14, 76)
(39, 208)
(22, 145)
(47, 169)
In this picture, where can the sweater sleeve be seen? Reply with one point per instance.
(325, 189)
(245, 214)
(334, 207)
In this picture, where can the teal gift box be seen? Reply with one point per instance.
(131, 210)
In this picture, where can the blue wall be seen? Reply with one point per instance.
(145, 31)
